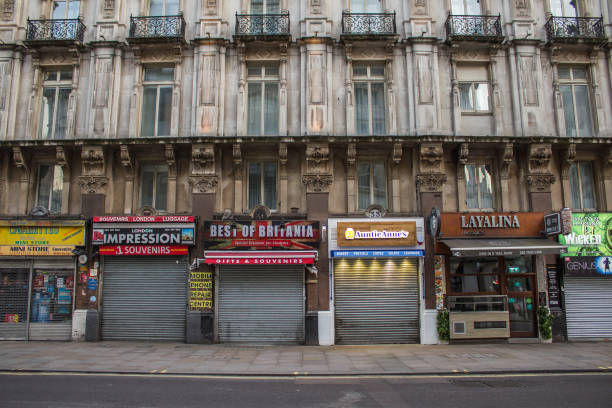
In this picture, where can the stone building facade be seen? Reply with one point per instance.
(316, 109)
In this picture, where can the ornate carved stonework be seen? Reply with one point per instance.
(92, 184)
(60, 157)
(569, 158)
(430, 183)
(317, 182)
(317, 158)
(109, 8)
(351, 154)
(237, 159)
(539, 158)
(203, 159)
(430, 157)
(507, 159)
(21, 162)
(315, 6)
(204, 184)
(397, 153)
(8, 9)
(126, 158)
(464, 152)
(522, 8)
(282, 153)
(93, 160)
(540, 183)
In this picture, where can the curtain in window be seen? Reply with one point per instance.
(471, 187)
(147, 182)
(271, 110)
(583, 111)
(486, 188)
(254, 184)
(362, 116)
(46, 112)
(61, 113)
(273, 7)
(568, 110)
(481, 92)
(45, 178)
(575, 186)
(586, 182)
(465, 96)
(165, 111)
(363, 185)
(172, 7)
(149, 98)
(257, 6)
(56, 190)
(378, 109)
(269, 182)
(156, 7)
(161, 190)
(379, 182)
(254, 109)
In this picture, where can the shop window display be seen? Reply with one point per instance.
(52, 296)
(474, 275)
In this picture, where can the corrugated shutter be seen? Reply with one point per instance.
(144, 298)
(14, 286)
(261, 304)
(376, 301)
(588, 307)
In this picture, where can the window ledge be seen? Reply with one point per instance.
(469, 113)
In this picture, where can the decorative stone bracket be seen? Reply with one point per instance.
(204, 184)
(569, 158)
(317, 183)
(93, 178)
(92, 184)
(431, 158)
(540, 183)
(430, 183)
(507, 159)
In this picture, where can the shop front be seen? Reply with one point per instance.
(490, 273)
(144, 272)
(37, 275)
(260, 270)
(375, 279)
(587, 277)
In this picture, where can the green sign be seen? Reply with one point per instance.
(591, 235)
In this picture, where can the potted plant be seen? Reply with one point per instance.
(545, 324)
(443, 326)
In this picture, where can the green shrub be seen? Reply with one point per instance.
(545, 322)
(443, 325)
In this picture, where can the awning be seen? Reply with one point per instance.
(503, 247)
(260, 257)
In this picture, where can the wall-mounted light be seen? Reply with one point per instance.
(324, 233)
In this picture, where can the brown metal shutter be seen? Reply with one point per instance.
(376, 301)
(261, 304)
(144, 298)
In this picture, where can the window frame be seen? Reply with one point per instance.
(578, 166)
(158, 85)
(263, 79)
(562, 6)
(466, 6)
(475, 110)
(156, 167)
(57, 85)
(372, 162)
(369, 79)
(54, 167)
(573, 83)
(164, 6)
(264, 7)
(262, 198)
(479, 195)
(67, 9)
(364, 4)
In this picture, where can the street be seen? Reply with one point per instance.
(52, 390)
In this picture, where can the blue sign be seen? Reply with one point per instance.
(92, 284)
(377, 254)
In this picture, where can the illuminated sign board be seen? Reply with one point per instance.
(373, 234)
(41, 238)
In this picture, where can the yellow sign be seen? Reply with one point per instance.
(201, 294)
(38, 234)
(200, 285)
(201, 303)
(200, 275)
(33, 250)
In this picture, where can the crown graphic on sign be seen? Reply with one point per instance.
(349, 233)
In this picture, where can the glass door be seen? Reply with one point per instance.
(520, 287)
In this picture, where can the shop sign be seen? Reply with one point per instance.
(552, 280)
(377, 254)
(169, 235)
(200, 290)
(166, 250)
(40, 238)
(269, 234)
(375, 234)
(491, 225)
(588, 266)
(261, 261)
(552, 224)
(156, 218)
(591, 235)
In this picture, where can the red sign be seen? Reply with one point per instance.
(261, 261)
(144, 250)
(11, 318)
(156, 218)
(260, 257)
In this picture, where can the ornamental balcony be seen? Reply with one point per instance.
(55, 31)
(270, 27)
(157, 28)
(574, 29)
(474, 28)
(372, 25)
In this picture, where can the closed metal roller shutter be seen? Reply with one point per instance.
(144, 298)
(14, 287)
(376, 301)
(261, 304)
(588, 307)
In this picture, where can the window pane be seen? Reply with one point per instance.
(465, 96)
(377, 70)
(360, 70)
(270, 185)
(254, 71)
(65, 75)
(378, 109)
(374, 6)
(474, 275)
(273, 6)
(519, 264)
(579, 73)
(271, 110)
(575, 186)
(568, 110)
(555, 8)
(582, 110)
(586, 180)
(457, 7)
(146, 192)
(254, 109)
(161, 189)
(271, 71)
(358, 6)
(486, 187)
(156, 7)
(481, 93)
(46, 112)
(50, 76)
(73, 9)
(61, 113)
(161, 74)
(473, 7)
(172, 7)
(254, 184)
(363, 185)
(45, 178)
(362, 116)
(471, 187)
(149, 98)
(56, 191)
(59, 10)
(564, 73)
(257, 7)
(380, 184)
(165, 111)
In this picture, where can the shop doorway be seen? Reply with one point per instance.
(519, 279)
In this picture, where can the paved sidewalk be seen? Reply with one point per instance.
(219, 359)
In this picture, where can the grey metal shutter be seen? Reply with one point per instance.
(588, 307)
(14, 289)
(261, 304)
(144, 298)
(376, 301)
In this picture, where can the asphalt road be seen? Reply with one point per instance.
(517, 391)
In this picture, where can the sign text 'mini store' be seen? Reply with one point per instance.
(144, 261)
(37, 277)
(488, 265)
(259, 278)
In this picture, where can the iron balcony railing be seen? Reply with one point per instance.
(575, 28)
(474, 28)
(55, 30)
(157, 27)
(369, 23)
(262, 24)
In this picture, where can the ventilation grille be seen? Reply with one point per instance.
(459, 327)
